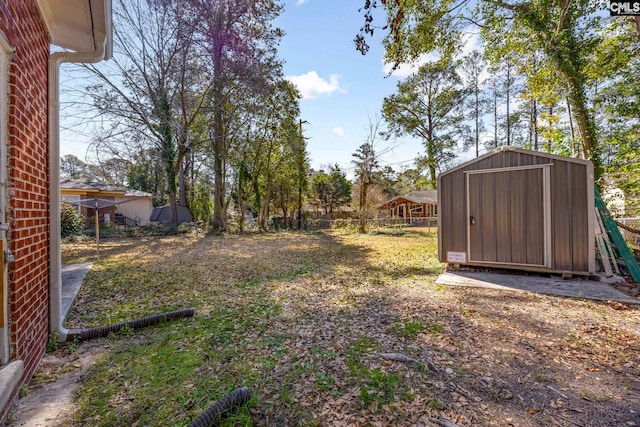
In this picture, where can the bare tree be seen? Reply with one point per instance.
(240, 42)
(140, 90)
(472, 67)
(366, 165)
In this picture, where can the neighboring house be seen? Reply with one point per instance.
(30, 293)
(417, 204)
(118, 205)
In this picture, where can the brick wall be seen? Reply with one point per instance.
(28, 183)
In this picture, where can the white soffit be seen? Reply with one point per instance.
(69, 23)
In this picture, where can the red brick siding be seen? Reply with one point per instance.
(28, 183)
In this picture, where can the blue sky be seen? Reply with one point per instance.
(342, 89)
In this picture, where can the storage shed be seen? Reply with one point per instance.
(520, 209)
(162, 214)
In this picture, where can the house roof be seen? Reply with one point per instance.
(76, 24)
(96, 187)
(429, 197)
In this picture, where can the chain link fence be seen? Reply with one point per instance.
(630, 229)
(324, 224)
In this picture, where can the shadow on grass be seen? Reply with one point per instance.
(299, 318)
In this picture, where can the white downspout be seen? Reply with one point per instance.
(101, 52)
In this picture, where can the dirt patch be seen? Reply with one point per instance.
(629, 287)
(50, 401)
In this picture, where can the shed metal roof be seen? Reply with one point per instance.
(507, 148)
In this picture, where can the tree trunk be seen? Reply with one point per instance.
(495, 116)
(167, 152)
(219, 220)
(477, 114)
(564, 53)
(535, 124)
(586, 124)
(264, 214)
(433, 175)
(219, 205)
(549, 138)
(266, 205)
(170, 172)
(508, 87)
(182, 185)
(242, 210)
(573, 133)
(363, 213)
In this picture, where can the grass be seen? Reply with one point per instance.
(250, 318)
(409, 330)
(299, 318)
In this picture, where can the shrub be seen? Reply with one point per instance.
(71, 221)
(345, 224)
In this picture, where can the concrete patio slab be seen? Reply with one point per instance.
(72, 278)
(575, 288)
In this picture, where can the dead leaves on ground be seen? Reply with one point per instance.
(311, 315)
(617, 305)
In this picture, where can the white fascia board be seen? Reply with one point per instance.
(69, 23)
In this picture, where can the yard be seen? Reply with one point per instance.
(337, 329)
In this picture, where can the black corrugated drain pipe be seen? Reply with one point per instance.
(87, 334)
(212, 416)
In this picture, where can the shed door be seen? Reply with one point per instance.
(508, 216)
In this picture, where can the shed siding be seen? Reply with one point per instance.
(579, 223)
(570, 217)
(516, 219)
(534, 216)
(503, 234)
(487, 207)
(459, 215)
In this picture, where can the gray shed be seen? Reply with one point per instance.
(521, 209)
(162, 214)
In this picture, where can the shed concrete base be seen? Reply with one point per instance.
(575, 288)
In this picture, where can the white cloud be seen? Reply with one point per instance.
(311, 85)
(406, 69)
(338, 131)
(472, 41)
(299, 2)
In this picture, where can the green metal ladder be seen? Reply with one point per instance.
(617, 239)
